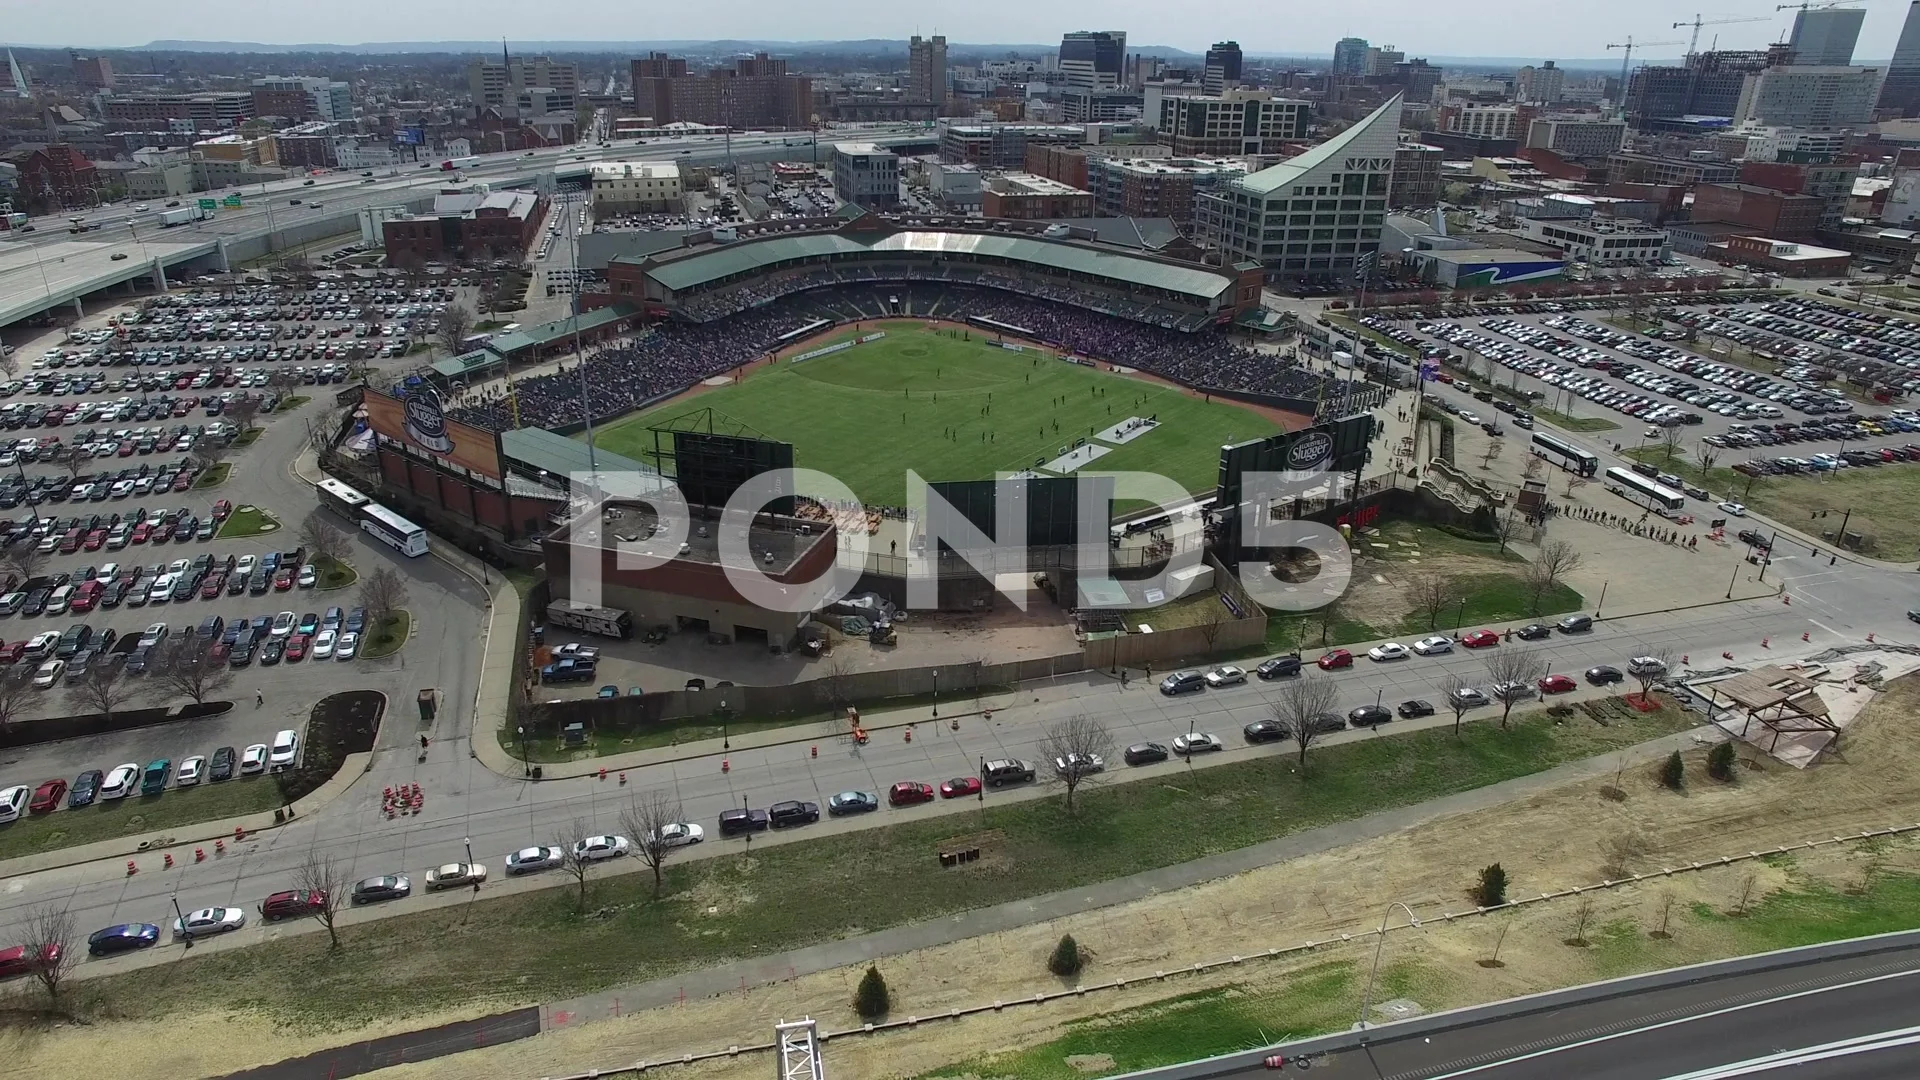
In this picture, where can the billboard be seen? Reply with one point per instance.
(418, 424)
(1051, 504)
(1335, 446)
(1487, 275)
(710, 468)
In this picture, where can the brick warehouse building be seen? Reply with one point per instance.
(756, 92)
(467, 227)
(1767, 212)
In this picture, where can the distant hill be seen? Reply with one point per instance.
(863, 46)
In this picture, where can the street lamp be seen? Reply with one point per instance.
(726, 742)
(526, 762)
(1380, 943)
(468, 840)
(1460, 617)
(184, 936)
(936, 693)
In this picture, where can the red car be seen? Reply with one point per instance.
(297, 651)
(221, 508)
(1480, 639)
(15, 961)
(95, 540)
(909, 793)
(960, 787)
(183, 483)
(283, 578)
(1338, 658)
(141, 532)
(86, 597)
(1558, 684)
(292, 903)
(210, 588)
(47, 797)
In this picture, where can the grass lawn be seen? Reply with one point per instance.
(386, 638)
(292, 403)
(1884, 501)
(247, 521)
(333, 574)
(868, 414)
(778, 898)
(138, 816)
(247, 437)
(1574, 423)
(215, 476)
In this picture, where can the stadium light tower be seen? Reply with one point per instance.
(799, 1051)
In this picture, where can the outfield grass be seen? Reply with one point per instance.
(952, 409)
(784, 897)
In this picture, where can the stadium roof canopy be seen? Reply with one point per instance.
(547, 333)
(749, 256)
(545, 451)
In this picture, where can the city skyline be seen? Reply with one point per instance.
(1419, 29)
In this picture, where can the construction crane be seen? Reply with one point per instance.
(1809, 5)
(1700, 21)
(1629, 45)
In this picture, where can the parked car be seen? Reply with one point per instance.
(1391, 650)
(589, 849)
(47, 797)
(680, 834)
(960, 787)
(1557, 684)
(1369, 715)
(384, 887)
(529, 859)
(1480, 639)
(222, 765)
(852, 802)
(1416, 707)
(1468, 697)
(782, 815)
(1337, 658)
(253, 759)
(122, 938)
(1278, 667)
(209, 921)
(1197, 742)
(909, 793)
(1226, 675)
(292, 903)
(121, 782)
(741, 821)
(1146, 753)
(1182, 682)
(1265, 731)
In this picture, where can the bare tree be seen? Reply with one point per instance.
(210, 452)
(1509, 527)
(106, 689)
(1670, 440)
(574, 861)
(48, 940)
(1513, 672)
(1575, 482)
(1430, 593)
(1707, 456)
(1213, 619)
(382, 593)
(184, 670)
(324, 879)
(323, 539)
(652, 820)
(1494, 449)
(16, 702)
(1076, 749)
(456, 322)
(1647, 674)
(1300, 701)
(1555, 560)
(10, 363)
(243, 410)
(284, 382)
(1453, 686)
(26, 559)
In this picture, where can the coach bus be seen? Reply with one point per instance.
(1565, 454)
(340, 498)
(1641, 491)
(390, 528)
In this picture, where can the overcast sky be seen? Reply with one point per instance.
(1420, 27)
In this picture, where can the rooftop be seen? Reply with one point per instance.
(1794, 251)
(1269, 180)
(861, 148)
(776, 541)
(625, 169)
(1030, 184)
(559, 329)
(1483, 255)
(1174, 166)
(541, 450)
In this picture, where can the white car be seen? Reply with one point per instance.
(13, 802)
(1733, 508)
(1392, 650)
(286, 747)
(1433, 646)
(1197, 743)
(253, 759)
(244, 567)
(595, 848)
(1647, 665)
(121, 782)
(679, 834)
(154, 634)
(1226, 676)
(107, 572)
(347, 646)
(527, 860)
(308, 578)
(162, 589)
(191, 770)
(448, 875)
(212, 920)
(323, 645)
(283, 624)
(48, 674)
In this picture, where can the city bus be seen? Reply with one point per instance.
(1641, 491)
(1565, 454)
(340, 498)
(390, 528)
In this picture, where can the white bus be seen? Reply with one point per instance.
(1565, 454)
(390, 528)
(1641, 491)
(340, 498)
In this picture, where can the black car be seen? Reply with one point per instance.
(221, 765)
(1754, 540)
(1533, 632)
(242, 654)
(86, 787)
(1322, 723)
(741, 822)
(1410, 709)
(1279, 667)
(1146, 753)
(1369, 715)
(1263, 731)
(1574, 624)
(1603, 674)
(386, 887)
(271, 652)
(783, 815)
(36, 602)
(1183, 682)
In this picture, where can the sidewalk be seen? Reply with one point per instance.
(761, 971)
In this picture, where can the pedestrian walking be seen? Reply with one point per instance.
(259, 698)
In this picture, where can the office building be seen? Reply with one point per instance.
(1026, 197)
(1350, 56)
(866, 174)
(1002, 146)
(1416, 177)
(1222, 67)
(1757, 209)
(1585, 136)
(635, 187)
(1817, 98)
(1235, 122)
(1313, 215)
(756, 92)
(1600, 241)
(1825, 37)
(93, 72)
(1626, 168)
(1093, 59)
(1544, 85)
(957, 188)
(1823, 178)
(1067, 164)
(1900, 93)
(306, 146)
(1156, 187)
(302, 97)
(502, 85)
(1707, 84)
(1380, 60)
(1154, 92)
(467, 226)
(927, 69)
(205, 111)
(1480, 121)
(1099, 106)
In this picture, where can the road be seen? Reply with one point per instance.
(1822, 1020)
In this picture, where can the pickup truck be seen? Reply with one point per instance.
(573, 650)
(568, 671)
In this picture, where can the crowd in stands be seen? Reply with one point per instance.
(677, 355)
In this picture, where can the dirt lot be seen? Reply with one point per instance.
(1551, 841)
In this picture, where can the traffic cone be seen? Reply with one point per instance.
(909, 734)
(725, 765)
(623, 778)
(167, 862)
(603, 772)
(1763, 643)
(219, 848)
(1804, 637)
(132, 869)
(1869, 639)
(813, 751)
(199, 854)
